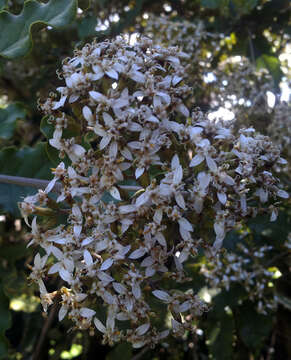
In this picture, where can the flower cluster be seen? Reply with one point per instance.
(247, 269)
(145, 183)
(234, 82)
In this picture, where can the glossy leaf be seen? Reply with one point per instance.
(8, 119)
(15, 36)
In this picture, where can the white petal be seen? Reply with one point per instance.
(99, 325)
(148, 261)
(141, 330)
(197, 159)
(136, 254)
(105, 141)
(136, 290)
(137, 76)
(139, 172)
(283, 194)
(185, 224)
(62, 313)
(211, 164)
(178, 175)
(185, 306)
(50, 185)
(77, 230)
(126, 209)
(108, 120)
(105, 278)
(176, 80)
(112, 74)
(73, 98)
(88, 258)
(114, 192)
(162, 295)
(65, 275)
(183, 110)
(97, 96)
(142, 199)
(87, 113)
(121, 289)
(126, 153)
(161, 239)
(204, 180)
(59, 103)
(87, 313)
(135, 145)
(55, 268)
(158, 215)
(87, 241)
(153, 119)
(78, 150)
(227, 179)
(113, 150)
(222, 197)
(134, 127)
(175, 162)
(106, 264)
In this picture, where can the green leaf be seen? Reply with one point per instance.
(13, 252)
(15, 36)
(26, 162)
(46, 128)
(8, 118)
(5, 322)
(271, 63)
(86, 27)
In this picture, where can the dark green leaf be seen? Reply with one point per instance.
(15, 36)
(86, 27)
(8, 118)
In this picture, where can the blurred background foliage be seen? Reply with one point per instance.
(35, 37)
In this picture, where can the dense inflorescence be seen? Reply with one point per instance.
(233, 83)
(247, 269)
(147, 184)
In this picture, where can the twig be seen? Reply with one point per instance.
(42, 184)
(23, 181)
(44, 330)
(252, 51)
